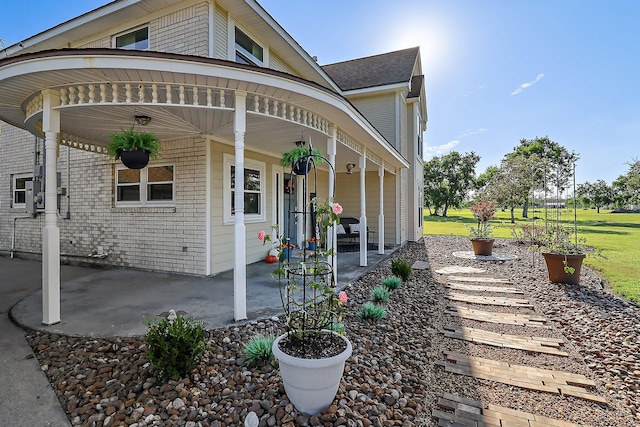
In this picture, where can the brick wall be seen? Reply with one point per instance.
(144, 238)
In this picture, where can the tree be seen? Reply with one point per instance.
(626, 188)
(555, 165)
(448, 180)
(510, 184)
(598, 194)
(485, 177)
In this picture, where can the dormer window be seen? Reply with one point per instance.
(247, 50)
(134, 40)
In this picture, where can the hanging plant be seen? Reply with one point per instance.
(133, 147)
(294, 159)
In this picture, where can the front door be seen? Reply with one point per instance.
(290, 227)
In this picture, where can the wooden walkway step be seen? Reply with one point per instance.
(482, 288)
(480, 279)
(493, 317)
(479, 336)
(557, 382)
(503, 301)
(460, 411)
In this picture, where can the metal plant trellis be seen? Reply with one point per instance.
(309, 293)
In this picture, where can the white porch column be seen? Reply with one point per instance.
(239, 231)
(331, 232)
(51, 231)
(381, 212)
(363, 211)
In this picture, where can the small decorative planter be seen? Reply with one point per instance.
(311, 384)
(287, 253)
(312, 246)
(134, 159)
(482, 247)
(556, 265)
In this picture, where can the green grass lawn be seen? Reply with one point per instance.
(615, 236)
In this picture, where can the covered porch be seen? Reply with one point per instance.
(78, 97)
(107, 303)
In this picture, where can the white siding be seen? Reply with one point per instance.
(380, 111)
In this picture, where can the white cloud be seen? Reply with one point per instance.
(523, 86)
(441, 149)
(473, 132)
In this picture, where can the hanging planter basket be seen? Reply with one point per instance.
(301, 166)
(134, 159)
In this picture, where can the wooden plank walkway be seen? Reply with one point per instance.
(479, 279)
(493, 317)
(549, 381)
(483, 288)
(479, 336)
(503, 301)
(460, 411)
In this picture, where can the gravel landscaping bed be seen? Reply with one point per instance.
(391, 379)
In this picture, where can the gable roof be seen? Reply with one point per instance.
(378, 70)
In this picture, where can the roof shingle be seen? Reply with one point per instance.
(378, 70)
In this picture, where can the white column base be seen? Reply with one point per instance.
(381, 234)
(363, 241)
(50, 275)
(240, 275)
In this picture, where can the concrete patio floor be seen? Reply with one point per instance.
(102, 303)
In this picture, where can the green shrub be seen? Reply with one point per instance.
(392, 282)
(175, 346)
(380, 294)
(401, 268)
(371, 311)
(258, 351)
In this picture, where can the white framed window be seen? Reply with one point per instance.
(137, 39)
(254, 190)
(246, 49)
(19, 189)
(151, 186)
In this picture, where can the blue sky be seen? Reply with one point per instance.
(496, 70)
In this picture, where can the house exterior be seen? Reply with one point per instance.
(227, 90)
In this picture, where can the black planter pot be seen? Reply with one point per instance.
(301, 166)
(134, 159)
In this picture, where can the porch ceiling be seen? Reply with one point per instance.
(23, 78)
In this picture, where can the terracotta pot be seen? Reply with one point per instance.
(134, 159)
(311, 384)
(482, 246)
(556, 264)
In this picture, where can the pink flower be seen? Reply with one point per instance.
(337, 209)
(261, 235)
(342, 296)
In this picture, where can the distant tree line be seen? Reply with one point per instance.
(537, 165)
(622, 193)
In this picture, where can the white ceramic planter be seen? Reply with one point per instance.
(311, 384)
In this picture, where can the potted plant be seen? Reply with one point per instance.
(312, 243)
(562, 256)
(297, 159)
(133, 147)
(481, 240)
(313, 350)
